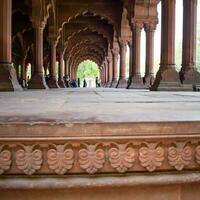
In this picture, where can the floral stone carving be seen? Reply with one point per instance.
(197, 154)
(122, 157)
(60, 159)
(91, 159)
(180, 155)
(5, 160)
(151, 156)
(28, 159)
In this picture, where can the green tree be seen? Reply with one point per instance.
(87, 69)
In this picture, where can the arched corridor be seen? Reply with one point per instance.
(68, 32)
(99, 100)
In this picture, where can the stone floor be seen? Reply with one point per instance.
(99, 105)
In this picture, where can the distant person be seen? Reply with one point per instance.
(67, 80)
(79, 82)
(97, 81)
(73, 84)
(84, 83)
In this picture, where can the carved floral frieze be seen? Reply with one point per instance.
(91, 158)
(99, 157)
(197, 154)
(29, 159)
(180, 155)
(60, 159)
(151, 156)
(121, 157)
(5, 159)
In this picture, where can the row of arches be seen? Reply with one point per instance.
(45, 32)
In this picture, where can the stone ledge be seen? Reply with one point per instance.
(91, 182)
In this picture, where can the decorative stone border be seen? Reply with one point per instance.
(99, 157)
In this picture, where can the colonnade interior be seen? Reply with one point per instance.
(135, 138)
(38, 34)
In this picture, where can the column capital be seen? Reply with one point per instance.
(137, 26)
(38, 23)
(150, 26)
(115, 52)
(123, 43)
(109, 59)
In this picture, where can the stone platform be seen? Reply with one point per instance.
(97, 144)
(99, 105)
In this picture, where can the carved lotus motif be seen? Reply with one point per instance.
(5, 160)
(197, 154)
(179, 156)
(151, 156)
(29, 160)
(91, 159)
(122, 157)
(60, 160)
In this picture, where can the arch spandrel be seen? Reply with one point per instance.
(112, 13)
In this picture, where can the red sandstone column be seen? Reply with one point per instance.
(167, 77)
(66, 67)
(115, 54)
(130, 64)
(67, 72)
(8, 76)
(23, 73)
(136, 81)
(106, 73)
(122, 83)
(60, 78)
(37, 79)
(110, 71)
(52, 83)
(189, 73)
(149, 71)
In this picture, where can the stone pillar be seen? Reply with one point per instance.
(66, 72)
(110, 71)
(136, 81)
(102, 75)
(66, 67)
(16, 65)
(106, 74)
(23, 73)
(37, 80)
(167, 78)
(115, 54)
(189, 73)
(8, 76)
(60, 78)
(122, 83)
(149, 70)
(52, 82)
(130, 64)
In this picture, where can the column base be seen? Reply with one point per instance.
(104, 85)
(149, 80)
(136, 83)
(61, 83)
(108, 84)
(168, 80)
(114, 83)
(37, 82)
(8, 78)
(122, 83)
(67, 84)
(191, 76)
(52, 83)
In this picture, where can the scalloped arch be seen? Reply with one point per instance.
(107, 18)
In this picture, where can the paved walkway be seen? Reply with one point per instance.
(99, 105)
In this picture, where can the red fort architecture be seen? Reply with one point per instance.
(135, 138)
